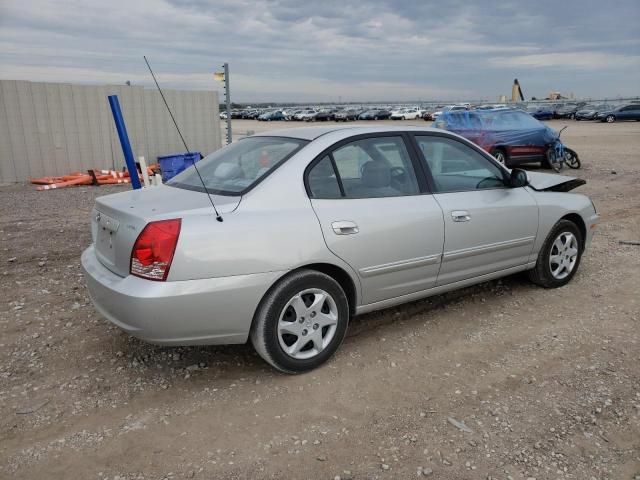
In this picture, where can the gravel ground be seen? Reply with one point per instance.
(499, 381)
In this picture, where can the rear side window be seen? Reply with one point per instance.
(236, 168)
(322, 180)
(367, 168)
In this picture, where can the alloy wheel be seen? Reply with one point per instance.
(500, 157)
(564, 255)
(307, 323)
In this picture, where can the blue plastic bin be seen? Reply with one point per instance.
(171, 165)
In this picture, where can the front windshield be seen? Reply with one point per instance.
(238, 167)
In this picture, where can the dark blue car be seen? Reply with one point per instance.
(540, 112)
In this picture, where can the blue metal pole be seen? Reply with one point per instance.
(124, 141)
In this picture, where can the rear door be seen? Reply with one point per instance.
(375, 217)
(489, 227)
(630, 112)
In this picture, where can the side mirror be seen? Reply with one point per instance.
(518, 178)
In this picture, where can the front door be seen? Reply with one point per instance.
(489, 227)
(366, 196)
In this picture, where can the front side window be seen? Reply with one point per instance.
(457, 167)
(238, 167)
(367, 168)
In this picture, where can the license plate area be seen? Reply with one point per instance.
(106, 231)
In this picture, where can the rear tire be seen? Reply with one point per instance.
(552, 162)
(300, 322)
(610, 119)
(559, 257)
(571, 158)
(500, 155)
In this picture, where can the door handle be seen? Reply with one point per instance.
(460, 216)
(344, 227)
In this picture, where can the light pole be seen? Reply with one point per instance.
(227, 94)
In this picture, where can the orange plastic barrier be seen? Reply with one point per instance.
(94, 177)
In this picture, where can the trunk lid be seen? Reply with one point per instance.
(552, 182)
(118, 219)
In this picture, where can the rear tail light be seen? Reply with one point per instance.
(153, 251)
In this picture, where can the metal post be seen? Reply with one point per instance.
(227, 95)
(124, 141)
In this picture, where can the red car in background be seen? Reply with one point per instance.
(512, 136)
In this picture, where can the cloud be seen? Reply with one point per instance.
(570, 61)
(292, 50)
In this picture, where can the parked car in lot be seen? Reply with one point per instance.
(623, 112)
(449, 108)
(307, 114)
(540, 112)
(271, 116)
(346, 115)
(428, 113)
(568, 110)
(375, 115)
(590, 112)
(512, 136)
(322, 116)
(317, 225)
(405, 114)
(289, 114)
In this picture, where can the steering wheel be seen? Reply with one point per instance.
(489, 182)
(397, 173)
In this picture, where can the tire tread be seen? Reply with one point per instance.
(539, 274)
(258, 335)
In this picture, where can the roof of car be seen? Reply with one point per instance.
(311, 133)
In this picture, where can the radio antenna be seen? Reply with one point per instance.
(218, 216)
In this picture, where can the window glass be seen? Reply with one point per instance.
(375, 167)
(457, 167)
(239, 166)
(322, 180)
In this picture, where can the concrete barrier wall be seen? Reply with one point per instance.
(51, 129)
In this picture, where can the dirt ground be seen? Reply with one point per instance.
(547, 381)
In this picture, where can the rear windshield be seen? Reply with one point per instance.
(238, 167)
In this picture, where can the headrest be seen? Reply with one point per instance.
(228, 171)
(376, 175)
(324, 169)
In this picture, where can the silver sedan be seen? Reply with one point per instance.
(316, 225)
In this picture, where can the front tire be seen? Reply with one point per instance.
(559, 256)
(610, 119)
(301, 322)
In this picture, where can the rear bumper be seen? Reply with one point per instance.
(193, 312)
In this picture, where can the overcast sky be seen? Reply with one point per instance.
(327, 50)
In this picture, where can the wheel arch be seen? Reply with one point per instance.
(579, 222)
(339, 274)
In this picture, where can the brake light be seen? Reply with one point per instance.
(153, 251)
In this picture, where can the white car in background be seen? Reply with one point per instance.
(306, 116)
(450, 108)
(405, 114)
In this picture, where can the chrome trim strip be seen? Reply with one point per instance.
(400, 265)
(391, 302)
(470, 252)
